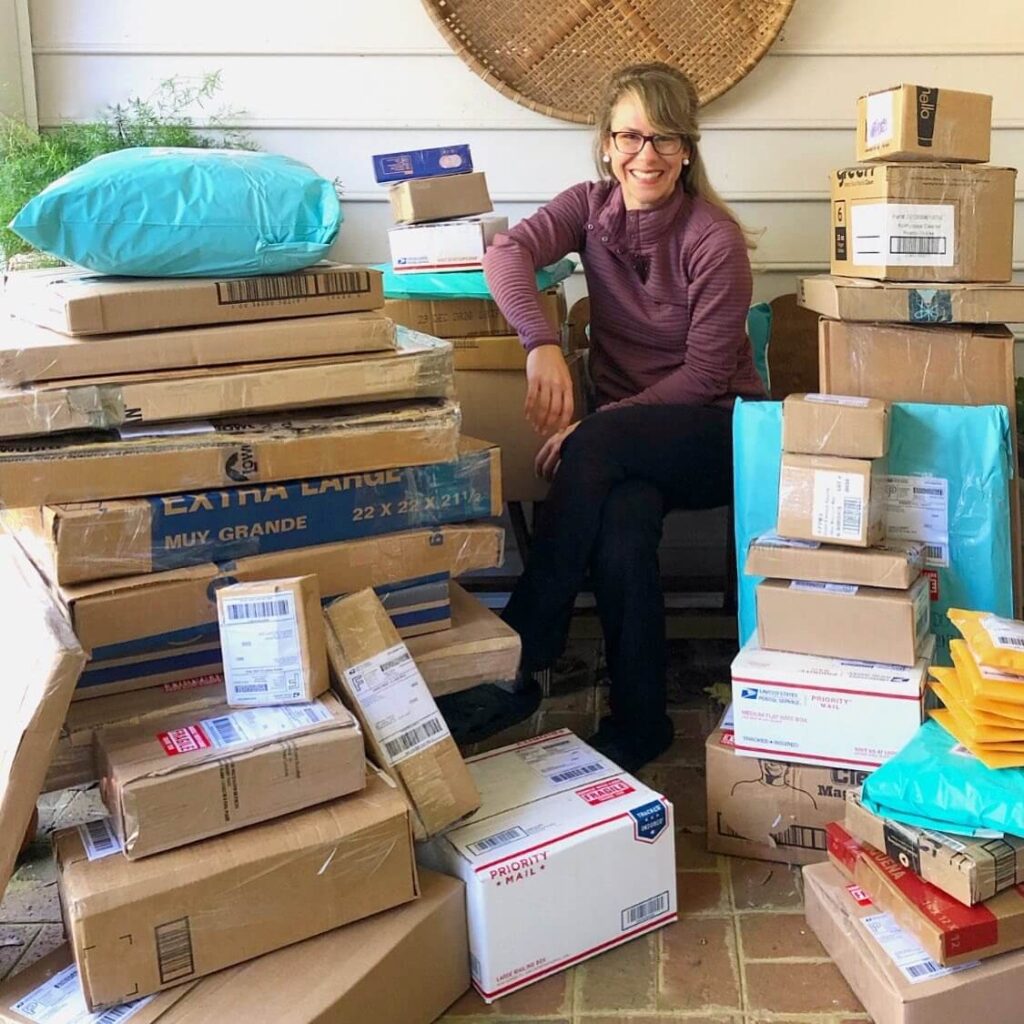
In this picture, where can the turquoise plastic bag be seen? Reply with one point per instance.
(934, 783)
(968, 447)
(459, 284)
(166, 212)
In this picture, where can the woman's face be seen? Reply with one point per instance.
(647, 178)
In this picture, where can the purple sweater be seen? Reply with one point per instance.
(669, 293)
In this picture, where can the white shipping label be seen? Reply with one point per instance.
(824, 588)
(773, 540)
(259, 637)
(565, 761)
(905, 951)
(850, 400)
(921, 595)
(255, 724)
(917, 508)
(903, 234)
(838, 507)
(399, 709)
(1006, 634)
(879, 117)
(99, 839)
(60, 1001)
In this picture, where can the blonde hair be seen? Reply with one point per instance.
(670, 101)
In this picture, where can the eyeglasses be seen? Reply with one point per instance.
(630, 143)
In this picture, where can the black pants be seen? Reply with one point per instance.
(621, 471)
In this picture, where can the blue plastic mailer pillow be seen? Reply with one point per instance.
(166, 212)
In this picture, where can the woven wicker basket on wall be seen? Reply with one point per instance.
(553, 55)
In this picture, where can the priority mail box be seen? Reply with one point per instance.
(405, 733)
(920, 122)
(185, 777)
(98, 540)
(32, 353)
(256, 450)
(923, 222)
(842, 620)
(559, 827)
(141, 926)
(894, 564)
(79, 302)
(826, 711)
(849, 426)
(469, 318)
(448, 245)
(439, 198)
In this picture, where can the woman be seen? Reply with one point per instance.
(669, 282)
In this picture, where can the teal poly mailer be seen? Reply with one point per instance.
(957, 457)
(459, 284)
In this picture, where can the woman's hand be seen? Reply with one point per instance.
(549, 400)
(550, 454)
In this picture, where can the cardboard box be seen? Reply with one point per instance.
(30, 353)
(841, 501)
(272, 641)
(894, 564)
(141, 926)
(918, 122)
(768, 809)
(492, 406)
(255, 450)
(471, 319)
(103, 539)
(855, 298)
(889, 972)
(405, 733)
(970, 869)
(839, 620)
(421, 368)
(848, 426)
(559, 826)
(479, 648)
(501, 353)
(923, 222)
(79, 302)
(825, 710)
(440, 198)
(182, 778)
(448, 245)
(165, 613)
(42, 662)
(949, 932)
(422, 163)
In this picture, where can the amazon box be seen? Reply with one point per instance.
(471, 319)
(845, 425)
(440, 198)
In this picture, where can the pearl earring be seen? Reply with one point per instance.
(686, 161)
(606, 158)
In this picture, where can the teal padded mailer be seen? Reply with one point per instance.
(459, 284)
(967, 447)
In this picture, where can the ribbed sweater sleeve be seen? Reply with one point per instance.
(554, 231)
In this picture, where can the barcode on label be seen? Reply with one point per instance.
(174, 950)
(298, 286)
(116, 1013)
(922, 969)
(99, 839)
(239, 611)
(918, 245)
(803, 836)
(510, 835)
(937, 491)
(577, 773)
(224, 731)
(1010, 641)
(640, 912)
(853, 510)
(933, 551)
(413, 737)
(401, 659)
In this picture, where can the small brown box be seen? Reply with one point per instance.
(440, 198)
(848, 426)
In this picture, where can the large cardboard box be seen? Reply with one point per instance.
(768, 808)
(405, 733)
(822, 497)
(403, 966)
(889, 972)
(255, 450)
(825, 710)
(141, 926)
(420, 368)
(848, 426)
(79, 302)
(919, 122)
(182, 778)
(559, 827)
(840, 620)
(894, 564)
(857, 298)
(923, 222)
(971, 869)
(448, 245)
(471, 319)
(104, 539)
(30, 353)
(440, 198)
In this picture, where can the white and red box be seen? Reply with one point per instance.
(444, 245)
(567, 857)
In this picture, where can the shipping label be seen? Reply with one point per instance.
(850, 400)
(825, 588)
(566, 760)
(903, 234)
(99, 839)
(1006, 634)
(262, 653)
(838, 508)
(255, 724)
(879, 118)
(773, 540)
(905, 951)
(60, 1001)
(917, 508)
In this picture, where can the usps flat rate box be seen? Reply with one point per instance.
(827, 711)
(567, 857)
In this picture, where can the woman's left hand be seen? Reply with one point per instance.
(550, 454)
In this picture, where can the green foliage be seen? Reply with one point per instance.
(29, 161)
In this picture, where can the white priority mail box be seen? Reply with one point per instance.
(828, 711)
(445, 245)
(567, 857)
